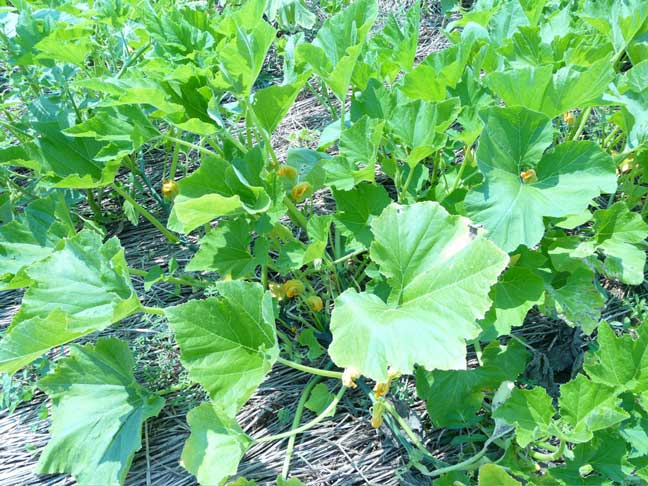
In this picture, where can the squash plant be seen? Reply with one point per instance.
(502, 173)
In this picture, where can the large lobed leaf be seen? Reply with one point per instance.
(82, 287)
(569, 176)
(431, 261)
(98, 414)
(227, 343)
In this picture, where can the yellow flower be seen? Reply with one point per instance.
(349, 375)
(286, 171)
(381, 389)
(529, 176)
(377, 414)
(170, 189)
(569, 118)
(293, 288)
(314, 303)
(298, 191)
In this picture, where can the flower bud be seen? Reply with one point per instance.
(529, 176)
(349, 376)
(298, 191)
(293, 288)
(286, 171)
(170, 189)
(569, 118)
(314, 303)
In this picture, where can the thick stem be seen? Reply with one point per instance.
(173, 389)
(296, 216)
(557, 454)
(309, 369)
(158, 311)
(192, 146)
(584, 116)
(152, 219)
(187, 282)
(295, 424)
(350, 255)
(308, 425)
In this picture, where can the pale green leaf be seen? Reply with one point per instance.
(227, 343)
(430, 259)
(94, 273)
(587, 407)
(530, 411)
(215, 189)
(216, 444)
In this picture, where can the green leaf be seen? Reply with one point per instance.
(97, 416)
(463, 390)
(605, 456)
(568, 177)
(577, 301)
(619, 235)
(516, 292)
(359, 143)
(420, 126)
(530, 411)
(33, 237)
(125, 129)
(73, 162)
(81, 266)
(441, 70)
(357, 208)
(619, 20)
(493, 475)
(430, 259)
(570, 87)
(215, 189)
(271, 104)
(216, 444)
(335, 49)
(227, 343)
(319, 399)
(588, 407)
(240, 57)
(226, 250)
(620, 361)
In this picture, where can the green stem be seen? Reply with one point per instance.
(584, 116)
(132, 59)
(322, 100)
(308, 369)
(470, 462)
(466, 160)
(152, 219)
(192, 146)
(610, 137)
(173, 389)
(264, 276)
(409, 432)
(92, 202)
(296, 216)
(188, 282)
(158, 311)
(350, 255)
(308, 425)
(174, 161)
(295, 424)
(539, 456)
(408, 181)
